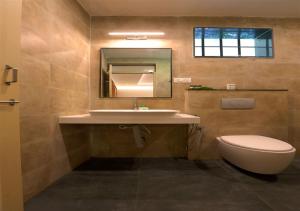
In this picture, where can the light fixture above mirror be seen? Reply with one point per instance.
(136, 35)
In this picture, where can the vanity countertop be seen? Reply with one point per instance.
(155, 119)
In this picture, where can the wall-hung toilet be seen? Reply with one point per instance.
(257, 154)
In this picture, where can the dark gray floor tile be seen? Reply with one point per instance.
(109, 164)
(171, 164)
(287, 180)
(169, 184)
(103, 186)
(188, 205)
(80, 205)
(281, 200)
(199, 185)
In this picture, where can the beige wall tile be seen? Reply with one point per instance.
(35, 99)
(34, 127)
(164, 141)
(36, 154)
(38, 69)
(294, 133)
(294, 101)
(35, 181)
(54, 81)
(294, 117)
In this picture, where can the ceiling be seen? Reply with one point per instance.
(228, 8)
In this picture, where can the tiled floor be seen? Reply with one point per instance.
(169, 185)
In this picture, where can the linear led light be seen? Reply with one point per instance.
(136, 33)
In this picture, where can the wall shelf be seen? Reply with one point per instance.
(244, 90)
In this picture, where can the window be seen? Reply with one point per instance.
(233, 42)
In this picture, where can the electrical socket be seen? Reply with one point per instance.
(182, 80)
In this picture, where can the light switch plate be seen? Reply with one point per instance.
(182, 80)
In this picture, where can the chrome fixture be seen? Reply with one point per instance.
(14, 79)
(10, 102)
(140, 133)
(135, 104)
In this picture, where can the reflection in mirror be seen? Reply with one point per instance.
(136, 72)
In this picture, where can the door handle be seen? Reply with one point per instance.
(10, 102)
(14, 74)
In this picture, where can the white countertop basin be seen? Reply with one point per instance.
(177, 118)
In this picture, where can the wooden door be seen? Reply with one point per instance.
(10, 155)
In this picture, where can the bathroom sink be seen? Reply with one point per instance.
(123, 116)
(132, 112)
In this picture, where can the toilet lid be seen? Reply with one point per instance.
(257, 143)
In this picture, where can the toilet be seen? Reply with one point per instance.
(258, 154)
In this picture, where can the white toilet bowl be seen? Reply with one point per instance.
(257, 154)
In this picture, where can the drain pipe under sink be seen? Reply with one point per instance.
(139, 133)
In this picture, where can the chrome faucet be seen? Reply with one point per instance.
(135, 104)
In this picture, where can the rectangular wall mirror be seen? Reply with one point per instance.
(136, 72)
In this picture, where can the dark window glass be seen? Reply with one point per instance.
(233, 42)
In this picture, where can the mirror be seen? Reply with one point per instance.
(136, 72)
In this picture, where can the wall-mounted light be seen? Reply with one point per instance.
(136, 35)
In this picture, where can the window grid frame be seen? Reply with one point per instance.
(269, 54)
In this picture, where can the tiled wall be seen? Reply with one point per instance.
(164, 141)
(269, 117)
(54, 81)
(281, 72)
